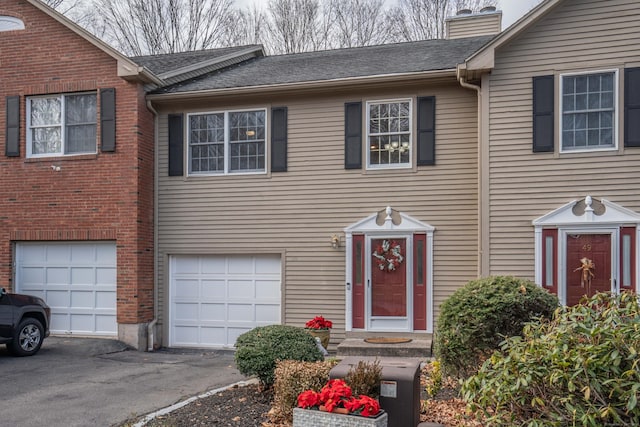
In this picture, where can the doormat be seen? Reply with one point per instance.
(387, 340)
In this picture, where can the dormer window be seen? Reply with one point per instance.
(9, 23)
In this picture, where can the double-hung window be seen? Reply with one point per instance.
(588, 111)
(227, 142)
(61, 125)
(389, 133)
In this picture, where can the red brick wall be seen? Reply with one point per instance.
(103, 196)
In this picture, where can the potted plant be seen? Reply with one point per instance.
(334, 401)
(321, 328)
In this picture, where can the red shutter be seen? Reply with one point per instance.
(550, 258)
(630, 283)
(420, 282)
(358, 280)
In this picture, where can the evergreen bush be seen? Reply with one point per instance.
(582, 369)
(478, 317)
(258, 350)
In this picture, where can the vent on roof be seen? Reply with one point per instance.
(488, 9)
(464, 12)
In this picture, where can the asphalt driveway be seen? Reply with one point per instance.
(99, 382)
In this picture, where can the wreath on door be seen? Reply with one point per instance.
(388, 256)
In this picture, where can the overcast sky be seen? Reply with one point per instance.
(512, 10)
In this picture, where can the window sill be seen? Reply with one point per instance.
(61, 158)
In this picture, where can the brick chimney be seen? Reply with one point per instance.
(466, 23)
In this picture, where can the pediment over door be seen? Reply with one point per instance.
(588, 211)
(389, 220)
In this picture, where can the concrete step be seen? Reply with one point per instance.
(420, 348)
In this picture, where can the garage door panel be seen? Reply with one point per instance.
(83, 276)
(106, 324)
(214, 289)
(213, 312)
(268, 313)
(106, 276)
(57, 276)
(58, 254)
(106, 300)
(225, 290)
(76, 279)
(32, 276)
(267, 288)
(211, 265)
(185, 311)
(241, 312)
(239, 289)
(187, 289)
(268, 265)
(57, 299)
(240, 265)
(82, 299)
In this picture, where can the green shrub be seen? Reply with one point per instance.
(477, 318)
(258, 350)
(364, 378)
(291, 379)
(581, 369)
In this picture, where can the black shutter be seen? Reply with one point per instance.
(176, 145)
(426, 131)
(279, 139)
(543, 114)
(353, 135)
(12, 147)
(632, 107)
(108, 119)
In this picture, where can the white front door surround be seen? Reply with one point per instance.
(388, 224)
(579, 217)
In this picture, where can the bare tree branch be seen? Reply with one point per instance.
(359, 22)
(141, 27)
(425, 19)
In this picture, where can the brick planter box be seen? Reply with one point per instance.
(314, 418)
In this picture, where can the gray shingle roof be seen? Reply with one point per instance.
(159, 64)
(399, 58)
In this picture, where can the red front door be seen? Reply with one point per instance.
(389, 286)
(588, 265)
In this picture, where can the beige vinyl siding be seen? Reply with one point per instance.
(296, 212)
(576, 36)
(483, 24)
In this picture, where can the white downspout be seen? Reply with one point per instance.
(152, 326)
(478, 90)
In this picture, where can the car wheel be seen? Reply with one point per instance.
(28, 338)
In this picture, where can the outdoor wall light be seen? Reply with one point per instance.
(335, 241)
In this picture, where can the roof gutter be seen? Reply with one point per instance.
(310, 85)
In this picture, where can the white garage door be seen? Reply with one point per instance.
(76, 279)
(213, 299)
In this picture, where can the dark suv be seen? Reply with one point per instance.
(24, 323)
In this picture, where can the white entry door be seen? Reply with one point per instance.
(215, 298)
(76, 279)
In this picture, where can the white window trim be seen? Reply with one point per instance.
(616, 115)
(412, 141)
(227, 143)
(62, 125)
(10, 23)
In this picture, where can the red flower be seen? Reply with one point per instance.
(319, 322)
(308, 399)
(370, 407)
(363, 405)
(334, 394)
(337, 394)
